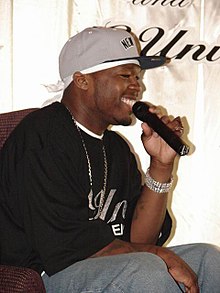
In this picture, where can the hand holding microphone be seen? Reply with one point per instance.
(141, 111)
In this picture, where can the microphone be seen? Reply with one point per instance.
(141, 111)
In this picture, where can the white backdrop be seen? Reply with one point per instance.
(32, 33)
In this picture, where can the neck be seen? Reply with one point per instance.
(86, 130)
(85, 121)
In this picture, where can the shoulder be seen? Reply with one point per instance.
(41, 116)
(37, 127)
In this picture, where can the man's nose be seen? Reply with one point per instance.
(134, 84)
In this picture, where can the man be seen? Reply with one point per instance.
(72, 202)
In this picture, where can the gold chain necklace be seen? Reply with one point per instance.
(105, 162)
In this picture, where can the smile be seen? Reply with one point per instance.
(129, 102)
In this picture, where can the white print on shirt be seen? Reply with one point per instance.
(94, 202)
(118, 229)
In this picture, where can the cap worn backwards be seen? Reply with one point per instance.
(99, 48)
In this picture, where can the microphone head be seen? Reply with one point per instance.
(140, 109)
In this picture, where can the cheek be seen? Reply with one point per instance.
(108, 94)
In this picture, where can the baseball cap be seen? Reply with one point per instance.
(99, 48)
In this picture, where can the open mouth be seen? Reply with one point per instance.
(129, 102)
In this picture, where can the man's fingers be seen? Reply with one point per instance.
(175, 124)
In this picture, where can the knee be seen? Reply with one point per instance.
(148, 263)
(209, 256)
(151, 271)
(212, 253)
(209, 250)
(145, 258)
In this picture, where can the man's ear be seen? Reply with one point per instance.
(80, 80)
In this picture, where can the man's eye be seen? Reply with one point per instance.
(128, 76)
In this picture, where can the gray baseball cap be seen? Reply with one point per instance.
(98, 48)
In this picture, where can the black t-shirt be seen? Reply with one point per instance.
(48, 212)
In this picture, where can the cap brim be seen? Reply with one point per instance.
(148, 62)
(145, 62)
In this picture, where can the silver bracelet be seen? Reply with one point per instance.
(156, 186)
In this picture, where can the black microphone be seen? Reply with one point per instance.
(141, 111)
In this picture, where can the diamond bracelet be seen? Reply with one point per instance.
(156, 186)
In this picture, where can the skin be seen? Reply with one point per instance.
(96, 101)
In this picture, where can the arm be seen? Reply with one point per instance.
(150, 212)
(151, 207)
(177, 268)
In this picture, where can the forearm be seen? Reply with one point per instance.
(120, 247)
(179, 270)
(150, 210)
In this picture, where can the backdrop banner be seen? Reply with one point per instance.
(33, 32)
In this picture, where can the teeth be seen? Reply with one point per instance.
(128, 101)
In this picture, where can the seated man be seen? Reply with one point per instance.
(72, 204)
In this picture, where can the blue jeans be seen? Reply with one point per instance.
(139, 272)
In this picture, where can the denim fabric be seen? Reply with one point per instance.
(204, 259)
(137, 273)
